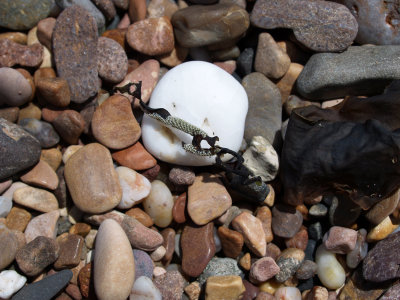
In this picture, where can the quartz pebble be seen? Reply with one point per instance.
(114, 271)
(261, 159)
(158, 204)
(184, 97)
(288, 293)
(253, 232)
(144, 289)
(10, 283)
(316, 31)
(207, 199)
(329, 270)
(135, 187)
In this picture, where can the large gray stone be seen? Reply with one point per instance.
(359, 71)
(264, 117)
(19, 149)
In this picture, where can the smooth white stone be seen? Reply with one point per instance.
(288, 293)
(204, 95)
(10, 282)
(261, 159)
(158, 254)
(5, 206)
(135, 187)
(159, 204)
(329, 270)
(144, 289)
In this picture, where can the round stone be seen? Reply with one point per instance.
(113, 62)
(203, 95)
(15, 89)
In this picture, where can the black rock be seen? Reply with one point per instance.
(382, 262)
(244, 63)
(46, 288)
(19, 150)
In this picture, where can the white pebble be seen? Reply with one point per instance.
(135, 187)
(10, 282)
(159, 204)
(158, 254)
(144, 289)
(203, 95)
(288, 293)
(329, 270)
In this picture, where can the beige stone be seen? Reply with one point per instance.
(52, 157)
(193, 290)
(92, 179)
(30, 111)
(229, 287)
(207, 199)
(44, 224)
(37, 199)
(69, 152)
(253, 232)
(382, 230)
(114, 265)
(41, 175)
(286, 84)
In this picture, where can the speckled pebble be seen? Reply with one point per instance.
(112, 60)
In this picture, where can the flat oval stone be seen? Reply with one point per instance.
(114, 125)
(159, 203)
(114, 265)
(152, 36)
(41, 130)
(20, 150)
(253, 232)
(381, 263)
(113, 62)
(15, 89)
(199, 25)
(331, 26)
(35, 256)
(198, 247)
(329, 270)
(42, 225)
(92, 180)
(265, 108)
(75, 52)
(207, 199)
(37, 199)
(46, 288)
(135, 187)
(181, 91)
(335, 75)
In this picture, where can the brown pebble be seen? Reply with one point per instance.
(81, 229)
(112, 61)
(168, 235)
(265, 216)
(85, 281)
(137, 10)
(29, 112)
(245, 261)
(37, 255)
(69, 125)
(286, 83)
(114, 125)
(117, 35)
(45, 31)
(135, 157)
(153, 36)
(152, 173)
(52, 157)
(54, 91)
(198, 247)
(181, 176)
(175, 57)
(41, 175)
(37, 199)
(73, 291)
(70, 251)
(299, 240)
(286, 220)
(49, 115)
(43, 73)
(10, 114)
(179, 209)
(75, 52)
(231, 241)
(12, 54)
(9, 247)
(18, 219)
(272, 251)
(106, 7)
(16, 37)
(140, 215)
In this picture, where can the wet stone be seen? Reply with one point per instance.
(46, 288)
(12, 54)
(170, 285)
(41, 130)
(70, 251)
(220, 267)
(327, 75)
(112, 61)
(197, 25)
(20, 150)
(265, 108)
(198, 247)
(331, 26)
(81, 49)
(37, 255)
(286, 220)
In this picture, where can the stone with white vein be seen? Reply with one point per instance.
(203, 95)
(10, 282)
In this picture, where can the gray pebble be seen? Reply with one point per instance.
(307, 270)
(41, 130)
(220, 267)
